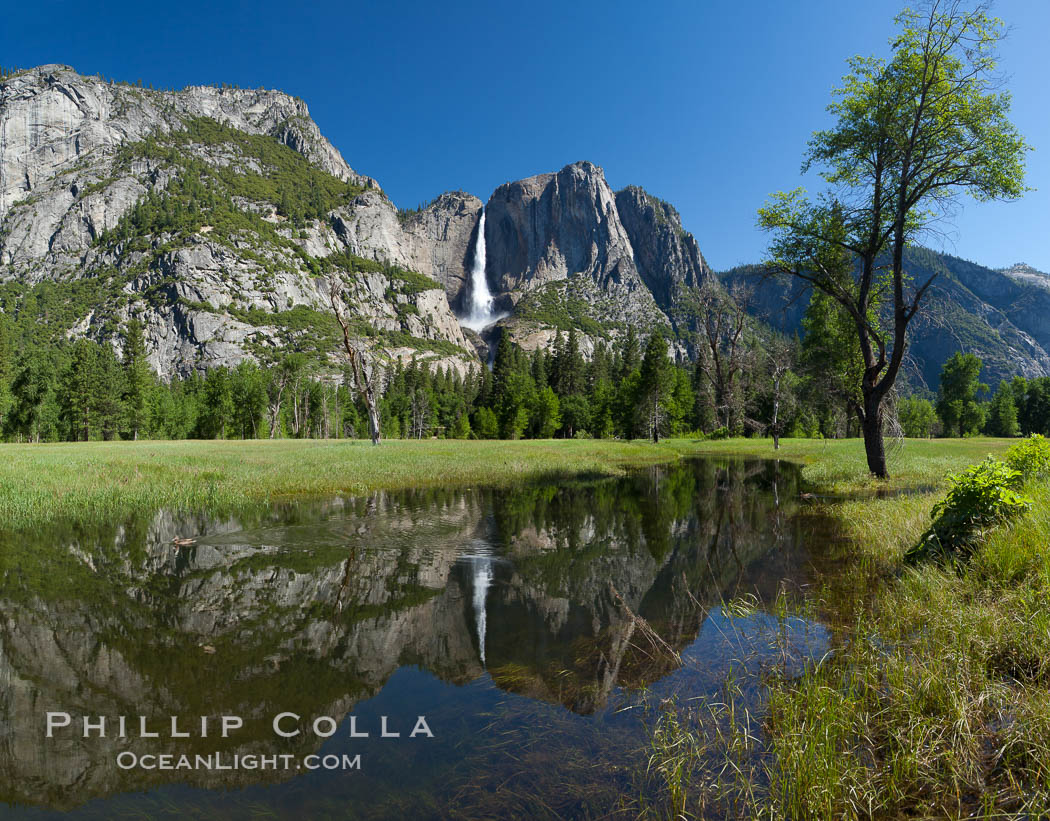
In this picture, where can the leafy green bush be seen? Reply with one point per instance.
(1030, 457)
(719, 433)
(980, 497)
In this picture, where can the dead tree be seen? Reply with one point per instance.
(364, 384)
(723, 353)
(780, 358)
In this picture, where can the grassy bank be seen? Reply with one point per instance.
(837, 466)
(93, 480)
(935, 699)
(98, 480)
(938, 703)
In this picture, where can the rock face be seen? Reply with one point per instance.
(59, 132)
(668, 258)
(1022, 272)
(216, 216)
(86, 165)
(78, 155)
(564, 245)
(552, 226)
(1001, 316)
(441, 239)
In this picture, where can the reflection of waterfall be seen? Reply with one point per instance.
(479, 304)
(481, 581)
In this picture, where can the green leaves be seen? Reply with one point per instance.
(983, 496)
(1030, 457)
(980, 497)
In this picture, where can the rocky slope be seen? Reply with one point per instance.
(1024, 273)
(214, 216)
(1001, 316)
(217, 215)
(564, 249)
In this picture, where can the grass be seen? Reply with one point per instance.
(94, 481)
(837, 466)
(98, 481)
(935, 699)
(936, 705)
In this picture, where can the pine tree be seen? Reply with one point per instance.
(108, 399)
(136, 378)
(571, 381)
(655, 388)
(78, 387)
(502, 367)
(6, 367)
(629, 358)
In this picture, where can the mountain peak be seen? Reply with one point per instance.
(1025, 273)
(1021, 268)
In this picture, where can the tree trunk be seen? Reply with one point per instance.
(373, 418)
(873, 444)
(776, 414)
(364, 387)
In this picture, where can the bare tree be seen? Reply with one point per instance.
(365, 384)
(420, 413)
(723, 353)
(780, 358)
(280, 376)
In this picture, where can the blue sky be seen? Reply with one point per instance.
(706, 103)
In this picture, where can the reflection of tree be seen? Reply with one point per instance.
(311, 608)
(672, 540)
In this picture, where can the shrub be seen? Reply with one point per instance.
(1030, 457)
(719, 433)
(916, 416)
(981, 496)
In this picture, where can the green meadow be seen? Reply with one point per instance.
(94, 481)
(98, 480)
(935, 698)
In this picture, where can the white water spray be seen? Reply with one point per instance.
(479, 307)
(482, 566)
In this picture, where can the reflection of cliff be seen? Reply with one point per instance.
(669, 543)
(301, 611)
(312, 608)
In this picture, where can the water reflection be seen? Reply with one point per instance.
(491, 611)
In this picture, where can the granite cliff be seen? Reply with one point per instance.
(217, 215)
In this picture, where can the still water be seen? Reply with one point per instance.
(537, 630)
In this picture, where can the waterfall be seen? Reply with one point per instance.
(482, 581)
(479, 303)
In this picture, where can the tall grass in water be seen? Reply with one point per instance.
(108, 480)
(708, 756)
(936, 701)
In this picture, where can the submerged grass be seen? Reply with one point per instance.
(106, 480)
(935, 702)
(97, 481)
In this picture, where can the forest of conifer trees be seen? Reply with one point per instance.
(748, 383)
